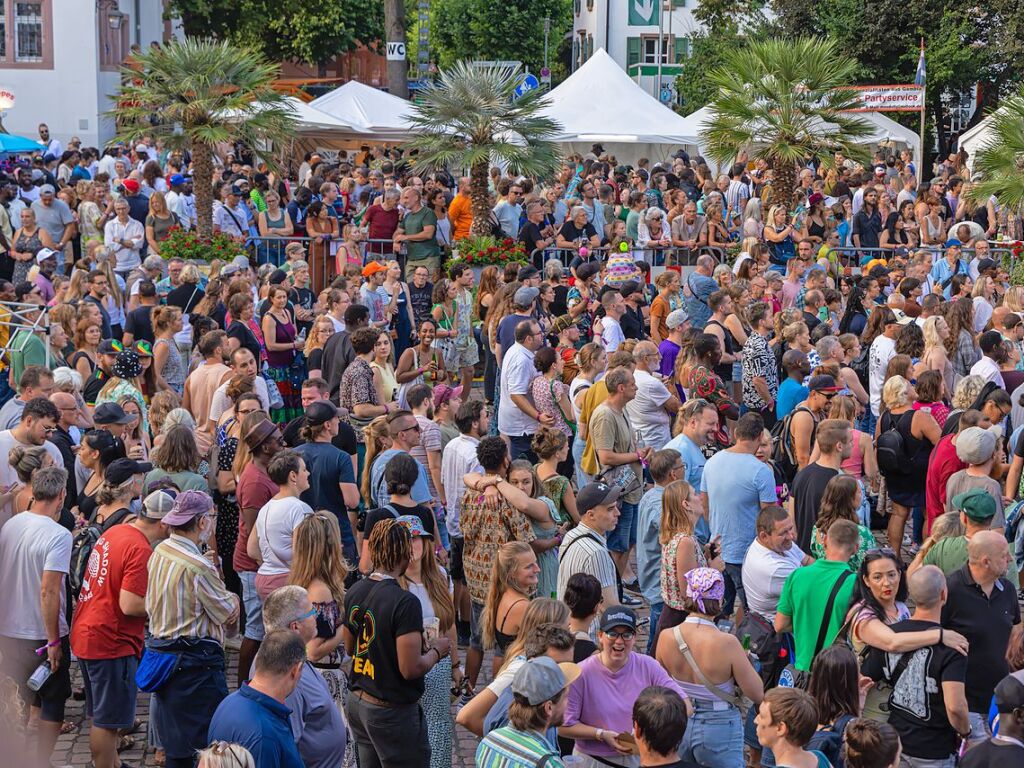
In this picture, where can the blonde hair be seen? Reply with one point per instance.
(674, 518)
(376, 437)
(948, 526)
(435, 581)
(894, 393)
(967, 391)
(1014, 298)
(317, 554)
(931, 333)
(161, 203)
(541, 610)
(774, 210)
(314, 340)
(222, 754)
(504, 565)
(791, 331)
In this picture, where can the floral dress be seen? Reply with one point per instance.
(867, 542)
(328, 616)
(546, 393)
(586, 321)
(671, 592)
(557, 488)
(227, 505)
(703, 382)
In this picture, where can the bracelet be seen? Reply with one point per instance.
(45, 648)
(434, 649)
(600, 734)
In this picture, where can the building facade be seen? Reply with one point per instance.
(61, 59)
(636, 34)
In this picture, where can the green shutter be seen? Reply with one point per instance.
(682, 49)
(678, 3)
(632, 52)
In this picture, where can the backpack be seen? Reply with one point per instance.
(891, 448)
(82, 546)
(1015, 531)
(782, 445)
(829, 740)
(861, 366)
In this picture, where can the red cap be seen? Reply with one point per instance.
(131, 185)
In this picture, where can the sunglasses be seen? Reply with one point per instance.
(308, 614)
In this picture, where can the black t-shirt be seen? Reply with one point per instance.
(93, 385)
(633, 323)
(560, 304)
(993, 754)
(574, 234)
(421, 303)
(986, 623)
(139, 324)
(246, 338)
(811, 321)
(374, 516)
(529, 236)
(219, 315)
(917, 708)
(377, 613)
(185, 296)
(315, 361)
(344, 441)
(808, 488)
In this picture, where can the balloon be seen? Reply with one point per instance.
(623, 246)
(584, 251)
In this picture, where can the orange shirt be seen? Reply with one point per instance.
(461, 216)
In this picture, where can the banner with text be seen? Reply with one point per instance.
(890, 98)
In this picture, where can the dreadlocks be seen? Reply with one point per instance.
(390, 544)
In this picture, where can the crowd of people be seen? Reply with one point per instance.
(778, 436)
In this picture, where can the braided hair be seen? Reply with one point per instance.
(390, 544)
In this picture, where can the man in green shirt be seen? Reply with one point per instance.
(26, 346)
(977, 509)
(416, 230)
(805, 595)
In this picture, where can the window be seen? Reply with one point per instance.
(26, 34)
(113, 42)
(650, 52)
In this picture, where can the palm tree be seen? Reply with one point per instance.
(469, 119)
(784, 101)
(195, 94)
(1001, 159)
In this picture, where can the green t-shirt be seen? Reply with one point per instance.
(803, 598)
(633, 225)
(26, 348)
(951, 555)
(413, 224)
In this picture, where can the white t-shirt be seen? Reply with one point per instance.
(646, 411)
(29, 545)
(275, 524)
(220, 401)
(7, 474)
(611, 334)
(517, 371)
(982, 313)
(764, 573)
(882, 351)
(988, 370)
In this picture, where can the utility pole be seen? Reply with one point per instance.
(661, 49)
(547, 30)
(394, 46)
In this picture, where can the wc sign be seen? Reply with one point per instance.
(396, 51)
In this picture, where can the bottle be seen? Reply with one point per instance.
(746, 642)
(40, 676)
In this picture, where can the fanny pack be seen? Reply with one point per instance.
(155, 669)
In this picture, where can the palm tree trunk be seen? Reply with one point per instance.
(479, 200)
(783, 183)
(202, 183)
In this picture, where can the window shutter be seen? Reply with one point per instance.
(682, 49)
(632, 52)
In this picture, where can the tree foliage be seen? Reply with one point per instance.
(468, 119)
(1001, 158)
(296, 30)
(482, 29)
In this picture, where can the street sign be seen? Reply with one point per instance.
(666, 95)
(643, 13)
(545, 75)
(396, 51)
(528, 83)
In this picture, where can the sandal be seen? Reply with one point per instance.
(160, 758)
(68, 726)
(136, 725)
(125, 742)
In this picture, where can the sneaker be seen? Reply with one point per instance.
(463, 641)
(631, 601)
(463, 700)
(632, 586)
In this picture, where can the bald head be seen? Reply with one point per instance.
(67, 405)
(896, 300)
(988, 555)
(927, 587)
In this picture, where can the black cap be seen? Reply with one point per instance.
(320, 412)
(277, 277)
(985, 265)
(587, 270)
(123, 470)
(618, 616)
(526, 273)
(110, 413)
(110, 347)
(595, 495)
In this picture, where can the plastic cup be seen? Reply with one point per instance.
(431, 630)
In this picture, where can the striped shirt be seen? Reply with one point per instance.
(508, 748)
(185, 596)
(588, 556)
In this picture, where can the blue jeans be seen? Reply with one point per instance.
(624, 535)
(522, 448)
(733, 588)
(582, 478)
(714, 738)
(656, 609)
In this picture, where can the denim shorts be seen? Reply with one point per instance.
(110, 691)
(714, 738)
(624, 535)
(253, 607)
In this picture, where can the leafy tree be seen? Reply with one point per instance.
(296, 30)
(782, 101)
(468, 119)
(195, 94)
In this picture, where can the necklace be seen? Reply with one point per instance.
(382, 576)
(700, 621)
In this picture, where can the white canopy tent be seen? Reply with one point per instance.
(885, 131)
(975, 138)
(600, 104)
(312, 123)
(379, 116)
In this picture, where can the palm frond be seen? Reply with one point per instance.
(1001, 158)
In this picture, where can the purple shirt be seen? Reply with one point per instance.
(45, 287)
(604, 699)
(669, 351)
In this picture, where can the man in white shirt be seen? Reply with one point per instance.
(38, 419)
(518, 417)
(883, 349)
(242, 362)
(176, 200)
(611, 330)
(772, 556)
(125, 237)
(991, 344)
(653, 408)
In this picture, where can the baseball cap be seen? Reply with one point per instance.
(542, 678)
(596, 494)
(110, 347)
(320, 412)
(46, 189)
(1009, 692)
(823, 383)
(235, 190)
(976, 445)
(526, 273)
(414, 525)
(676, 318)
(44, 254)
(902, 318)
(242, 262)
(617, 616)
(110, 413)
(444, 392)
(373, 268)
(131, 185)
(977, 503)
(563, 323)
(127, 364)
(815, 198)
(158, 504)
(122, 470)
(259, 434)
(525, 296)
(176, 179)
(277, 277)
(587, 270)
(879, 170)
(187, 506)
(986, 264)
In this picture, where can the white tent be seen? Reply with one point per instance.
(974, 138)
(600, 104)
(311, 121)
(379, 115)
(885, 130)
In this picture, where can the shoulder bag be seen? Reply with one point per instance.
(792, 677)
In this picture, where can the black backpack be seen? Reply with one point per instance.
(783, 454)
(861, 366)
(83, 544)
(891, 448)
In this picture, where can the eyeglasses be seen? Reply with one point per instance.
(627, 635)
(414, 427)
(308, 614)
